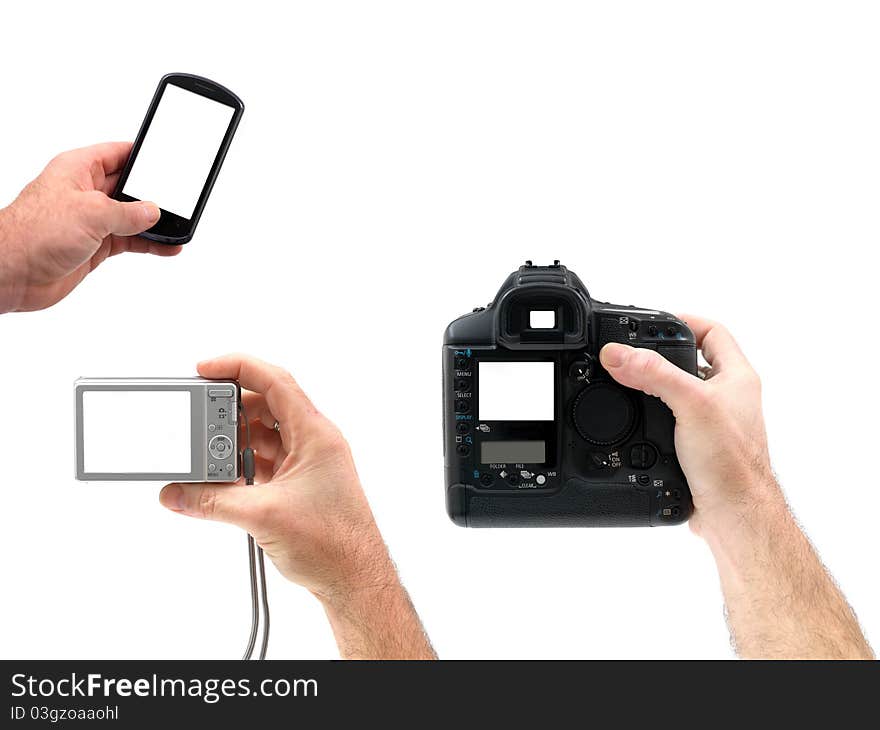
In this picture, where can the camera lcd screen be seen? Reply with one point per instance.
(515, 452)
(516, 391)
(178, 151)
(136, 431)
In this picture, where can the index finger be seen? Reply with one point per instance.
(719, 348)
(285, 398)
(112, 156)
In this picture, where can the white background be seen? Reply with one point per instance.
(178, 151)
(395, 162)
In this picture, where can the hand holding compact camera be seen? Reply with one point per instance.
(307, 509)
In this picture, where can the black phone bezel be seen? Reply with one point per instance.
(174, 229)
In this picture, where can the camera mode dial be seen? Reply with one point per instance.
(604, 414)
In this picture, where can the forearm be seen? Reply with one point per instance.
(781, 602)
(378, 622)
(12, 262)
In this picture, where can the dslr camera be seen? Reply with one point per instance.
(536, 433)
(157, 429)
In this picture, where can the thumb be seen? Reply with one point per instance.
(650, 372)
(129, 219)
(236, 505)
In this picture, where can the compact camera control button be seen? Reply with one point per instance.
(513, 480)
(212, 468)
(463, 450)
(643, 479)
(633, 325)
(462, 406)
(671, 331)
(462, 384)
(462, 362)
(642, 456)
(652, 330)
(486, 479)
(462, 427)
(604, 414)
(540, 480)
(220, 447)
(212, 427)
(220, 393)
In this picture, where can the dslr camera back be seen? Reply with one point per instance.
(536, 433)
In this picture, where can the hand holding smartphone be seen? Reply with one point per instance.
(178, 152)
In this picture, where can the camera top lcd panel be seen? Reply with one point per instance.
(536, 433)
(156, 429)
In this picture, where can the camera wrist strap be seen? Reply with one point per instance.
(256, 561)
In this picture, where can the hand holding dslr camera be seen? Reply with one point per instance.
(537, 433)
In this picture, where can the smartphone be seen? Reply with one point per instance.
(179, 151)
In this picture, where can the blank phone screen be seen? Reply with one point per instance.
(178, 151)
(136, 432)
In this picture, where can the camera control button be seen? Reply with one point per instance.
(462, 427)
(463, 450)
(643, 479)
(487, 480)
(212, 468)
(580, 369)
(462, 406)
(212, 427)
(220, 393)
(220, 447)
(540, 480)
(642, 456)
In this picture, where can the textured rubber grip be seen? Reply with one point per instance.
(578, 504)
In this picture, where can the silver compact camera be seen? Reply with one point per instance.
(157, 429)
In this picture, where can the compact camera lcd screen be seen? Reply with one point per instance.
(179, 150)
(137, 432)
(516, 391)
